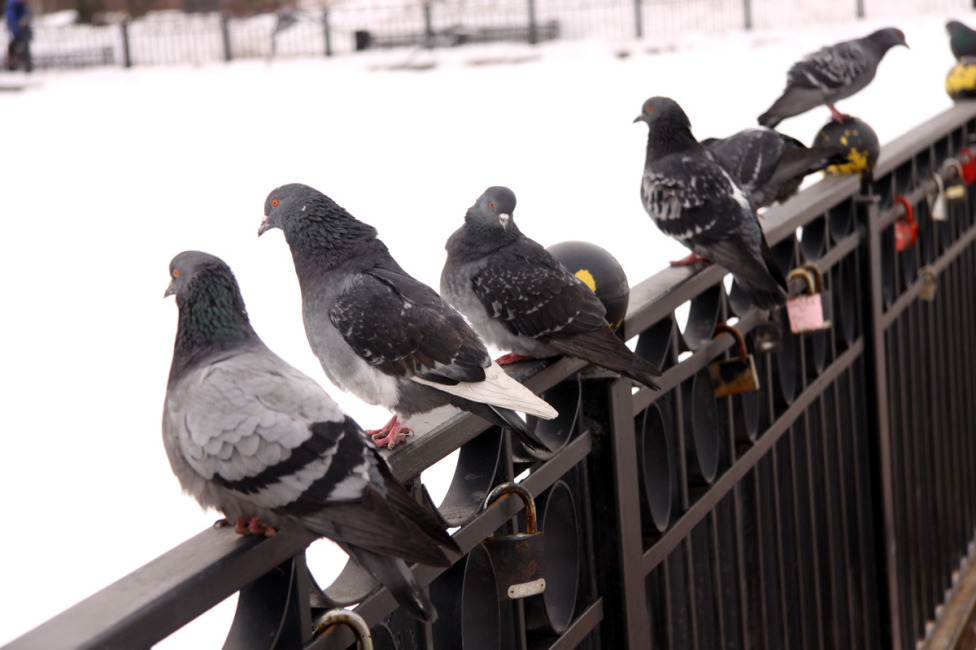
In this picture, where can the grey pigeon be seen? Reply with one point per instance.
(694, 199)
(770, 165)
(518, 297)
(382, 334)
(962, 39)
(253, 437)
(831, 74)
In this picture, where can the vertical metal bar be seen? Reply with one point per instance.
(639, 19)
(533, 25)
(869, 212)
(747, 15)
(225, 36)
(327, 31)
(126, 52)
(785, 514)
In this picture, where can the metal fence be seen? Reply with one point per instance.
(832, 508)
(164, 38)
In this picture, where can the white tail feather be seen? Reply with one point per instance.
(498, 389)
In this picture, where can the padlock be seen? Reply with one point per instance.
(347, 618)
(930, 284)
(518, 558)
(937, 202)
(906, 228)
(809, 312)
(735, 375)
(956, 191)
(968, 162)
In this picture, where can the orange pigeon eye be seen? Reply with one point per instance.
(650, 109)
(491, 204)
(176, 273)
(274, 203)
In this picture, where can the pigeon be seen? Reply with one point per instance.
(253, 437)
(962, 39)
(694, 199)
(770, 165)
(831, 74)
(383, 335)
(517, 296)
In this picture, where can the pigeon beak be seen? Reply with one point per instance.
(169, 291)
(264, 227)
(638, 119)
(504, 219)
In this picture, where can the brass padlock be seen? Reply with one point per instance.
(809, 312)
(518, 558)
(957, 191)
(735, 375)
(930, 283)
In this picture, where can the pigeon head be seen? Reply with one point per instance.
(320, 233)
(887, 38)
(493, 212)
(669, 129)
(212, 314)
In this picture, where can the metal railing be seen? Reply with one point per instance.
(166, 38)
(832, 508)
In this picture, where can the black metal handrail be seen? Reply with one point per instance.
(829, 509)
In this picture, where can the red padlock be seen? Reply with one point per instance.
(968, 162)
(906, 228)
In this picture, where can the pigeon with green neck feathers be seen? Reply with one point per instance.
(251, 436)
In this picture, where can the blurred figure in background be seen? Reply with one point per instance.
(18, 25)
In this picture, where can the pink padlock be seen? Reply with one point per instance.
(808, 312)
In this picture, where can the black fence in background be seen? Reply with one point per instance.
(167, 38)
(832, 508)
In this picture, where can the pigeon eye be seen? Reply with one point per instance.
(274, 203)
(176, 273)
(649, 109)
(491, 204)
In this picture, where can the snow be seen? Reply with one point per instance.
(107, 174)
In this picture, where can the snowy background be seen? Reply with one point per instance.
(106, 174)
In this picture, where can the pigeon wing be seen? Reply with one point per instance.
(831, 69)
(403, 327)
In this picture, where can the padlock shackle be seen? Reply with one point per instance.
(740, 341)
(508, 488)
(803, 273)
(928, 271)
(955, 164)
(350, 619)
(814, 270)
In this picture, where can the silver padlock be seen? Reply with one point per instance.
(937, 202)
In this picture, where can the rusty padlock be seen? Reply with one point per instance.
(735, 375)
(930, 283)
(350, 619)
(518, 558)
(809, 312)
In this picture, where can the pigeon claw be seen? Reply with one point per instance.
(512, 357)
(252, 526)
(691, 260)
(391, 433)
(837, 115)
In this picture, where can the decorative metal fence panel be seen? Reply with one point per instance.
(167, 37)
(832, 508)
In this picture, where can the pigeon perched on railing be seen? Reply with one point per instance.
(253, 437)
(697, 201)
(518, 297)
(769, 165)
(831, 74)
(382, 334)
(962, 39)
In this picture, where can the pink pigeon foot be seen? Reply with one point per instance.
(691, 260)
(512, 357)
(391, 433)
(837, 115)
(253, 526)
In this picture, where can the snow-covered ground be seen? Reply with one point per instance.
(106, 174)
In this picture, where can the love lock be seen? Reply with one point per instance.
(767, 337)
(735, 375)
(930, 284)
(968, 162)
(906, 228)
(352, 620)
(809, 312)
(956, 191)
(518, 558)
(937, 202)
